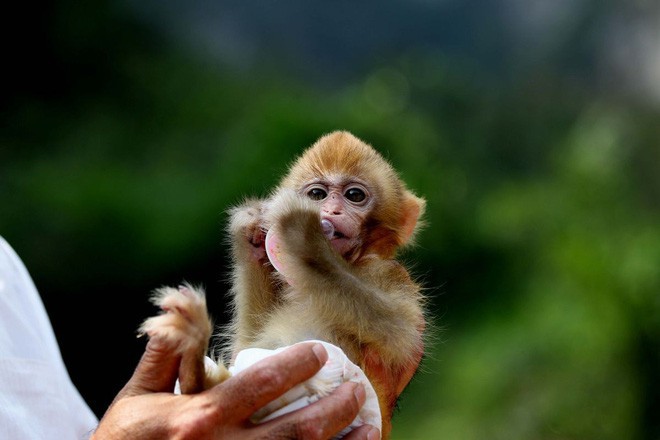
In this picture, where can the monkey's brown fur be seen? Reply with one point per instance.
(347, 290)
(363, 301)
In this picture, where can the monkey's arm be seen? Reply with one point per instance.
(252, 290)
(374, 300)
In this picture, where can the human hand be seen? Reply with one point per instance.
(146, 408)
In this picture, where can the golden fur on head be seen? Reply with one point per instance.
(342, 154)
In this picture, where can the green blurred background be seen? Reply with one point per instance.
(531, 127)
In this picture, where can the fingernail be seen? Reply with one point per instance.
(374, 434)
(360, 393)
(320, 353)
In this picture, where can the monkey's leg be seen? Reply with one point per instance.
(185, 327)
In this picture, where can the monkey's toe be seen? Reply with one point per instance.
(184, 323)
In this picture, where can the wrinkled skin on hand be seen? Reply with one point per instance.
(146, 408)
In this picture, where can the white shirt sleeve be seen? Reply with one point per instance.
(37, 398)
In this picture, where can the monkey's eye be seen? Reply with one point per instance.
(317, 194)
(355, 195)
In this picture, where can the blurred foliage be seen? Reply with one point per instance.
(541, 257)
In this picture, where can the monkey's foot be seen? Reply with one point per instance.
(185, 328)
(286, 204)
(184, 324)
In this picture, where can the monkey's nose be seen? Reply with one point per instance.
(332, 209)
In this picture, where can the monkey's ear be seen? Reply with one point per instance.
(412, 209)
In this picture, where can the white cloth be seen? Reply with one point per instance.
(337, 370)
(37, 398)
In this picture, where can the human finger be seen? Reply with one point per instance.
(322, 419)
(364, 432)
(157, 371)
(243, 394)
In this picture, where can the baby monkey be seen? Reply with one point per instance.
(332, 228)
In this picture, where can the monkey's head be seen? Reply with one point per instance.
(359, 192)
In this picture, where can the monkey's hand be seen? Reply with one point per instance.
(247, 230)
(184, 328)
(296, 223)
(289, 210)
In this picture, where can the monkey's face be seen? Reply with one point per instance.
(346, 203)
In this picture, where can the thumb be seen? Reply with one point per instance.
(156, 372)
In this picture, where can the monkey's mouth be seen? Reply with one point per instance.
(338, 235)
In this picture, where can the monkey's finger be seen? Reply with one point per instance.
(157, 370)
(243, 394)
(322, 419)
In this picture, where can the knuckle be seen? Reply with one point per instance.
(197, 422)
(265, 376)
(343, 404)
(353, 406)
(184, 428)
(310, 429)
